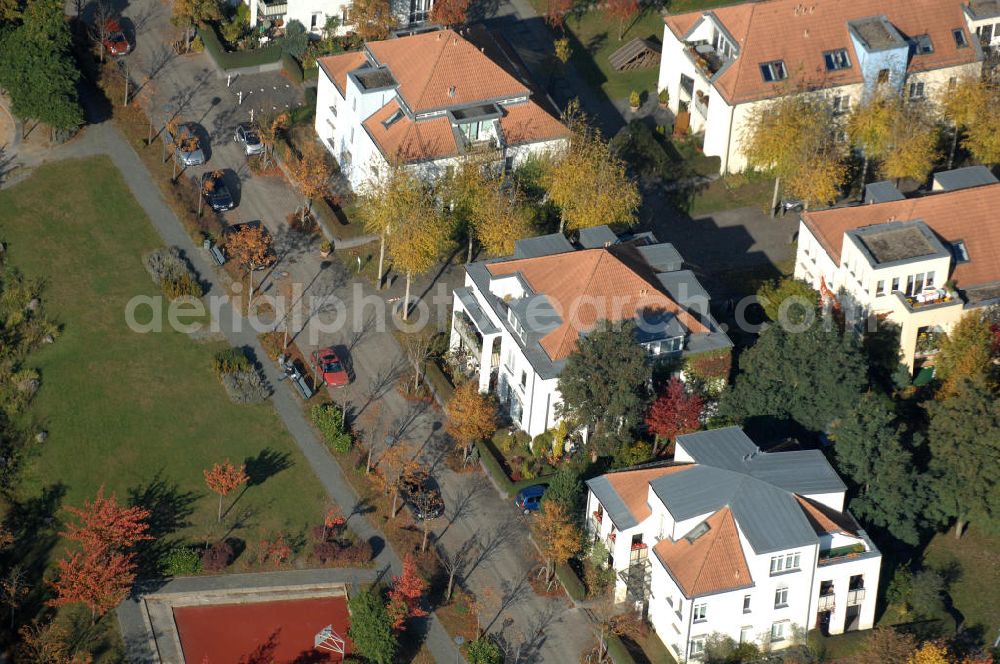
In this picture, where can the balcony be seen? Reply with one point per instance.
(855, 597)
(841, 554)
(467, 331)
(271, 9)
(826, 602)
(926, 300)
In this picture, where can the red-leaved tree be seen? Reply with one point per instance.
(404, 598)
(623, 10)
(675, 412)
(223, 478)
(450, 12)
(556, 10)
(105, 524)
(99, 581)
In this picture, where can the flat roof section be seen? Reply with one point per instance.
(898, 244)
(876, 33)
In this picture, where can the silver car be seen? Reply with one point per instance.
(187, 146)
(248, 136)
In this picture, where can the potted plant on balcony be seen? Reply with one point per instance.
(664, 98)
(634, 101)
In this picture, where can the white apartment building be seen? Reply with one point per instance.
(921, 262)
(517, 319)
(720, 64)
(732, 540)
(313, 13)
(427, 99)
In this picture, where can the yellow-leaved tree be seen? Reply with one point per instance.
(372, 19)
(962, 105)
(421, 237)
(983, 135)
(587, 180)
(931, 652)
(870, 127)
(913, 141)
(558, 538)
(383, 204)
(471, 414)
(966, 352)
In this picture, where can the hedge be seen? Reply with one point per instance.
(226, 60)
(291, 67)
(619, 653)
(438, 381)
(571, 582)
(491, 462)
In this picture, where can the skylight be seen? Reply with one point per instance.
(960, 40)
(392, 119)
(923, 45)
(959, 251)
(697, 532)
(773, 71)
(837, 59)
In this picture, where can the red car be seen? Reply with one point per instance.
(327, 363)
(115, 40)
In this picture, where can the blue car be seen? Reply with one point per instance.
(529, 499)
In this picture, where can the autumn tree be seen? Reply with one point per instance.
(311, 173)
(450, 12)
(471, 416)
(870, 127)
(385, 204)
(964, 443)
(964, 105)
(913, 143)
(983, 136)
(418, 249)
(819, 181)
(391, 466)
(558, 538)
(372, 19)
(588, 181)
(47, 642)
(271, 126)
(99, 580)
(251, 247)
(792, 139)
(931, 652)
(675, 412)
(886, 646)
(556, 11)
(371, 631)
(622, 10)
(14, 589)
(408, 589)
(223, 479)
(966, 353)
(188, 14)
(105, 524)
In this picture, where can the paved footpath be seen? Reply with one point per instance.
(105, 138)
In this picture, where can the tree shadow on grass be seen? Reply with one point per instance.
(266, 465)
(170, 509)
(34, 525)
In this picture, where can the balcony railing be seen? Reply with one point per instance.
(826, 603)
(841, 553)
(706, 59)
(271, 9)
(855, 597)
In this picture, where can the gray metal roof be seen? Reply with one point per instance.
(476, 312)
(596, 237)
(685, 289)
(662, 257)
(723, 448)
(882, 192)
(543, 245)
(613, 505)
(964, 178)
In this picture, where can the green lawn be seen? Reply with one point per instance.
(975, 560)
(128, 410)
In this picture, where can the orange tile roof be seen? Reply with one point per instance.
(338, 66)
(408, 141)
(598, 279)
(799, 33)
(530, 123)
(825, 520)
(632, 486)
(972, 215)
(441, 69)
(712, 563)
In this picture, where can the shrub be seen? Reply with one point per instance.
(565, 488)
(634, 100)
(664, 96)
(172, 273)
(542, 443)
(326, 552)
(329, 419)
(217, 557)
(229, 361)
(245, 387)
(526, 471)
(183, 286)
(272, 342)
(484, 651)
(357, 554)
(180, 561)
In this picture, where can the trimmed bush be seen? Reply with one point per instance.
(226, 60)
(229, 361)
(217, 557)
(484, 651)
(245, 387)
(329, 419)
(172, 273)
(181, 561)
(619, 653)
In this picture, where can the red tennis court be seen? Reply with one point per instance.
(281, 632)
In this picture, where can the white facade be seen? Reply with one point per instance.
(790, 590)
(313, 13)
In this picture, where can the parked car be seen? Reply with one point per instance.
(215, 191)
(422, 495)
(529, 499)
(115, 40)
(187, 145)
(327, 364)
(248, 136)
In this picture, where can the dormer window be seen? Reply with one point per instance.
(959, 251)
(515, 323)
(837, 59)
(960, 40)
(773, 71)
(922, 45)
(393, 119)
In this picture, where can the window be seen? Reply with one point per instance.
(959, 252)
(959, 35)
(841, 104)
(880, 287)
(883, 76)
(909, 285)
(746, 604)
(922, 45)
(393, 119)
(352, 136)
(524, 379)
(895, 284)
(314, 21)
(985, 34)
(917, 90)
(786, 563)
(837, 59)
(773, 71)
(929, 281)
(952, 82)
(697, 646)
(781, 597)
(700, 611)
(746, 634)
(778, 631)
(515, 323)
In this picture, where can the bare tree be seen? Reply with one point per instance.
(13, 589)
(455, 563)
(103, 16)
(418, 347)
